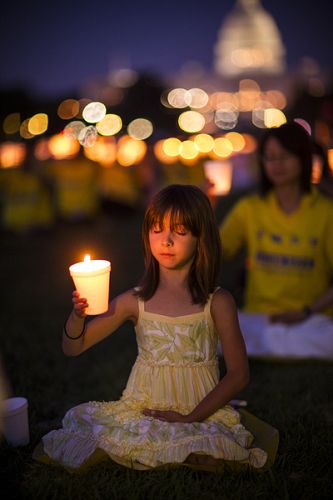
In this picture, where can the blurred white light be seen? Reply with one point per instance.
(140, 128)
(94, 112)
(87, 136)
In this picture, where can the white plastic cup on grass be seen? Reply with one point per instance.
(16, 421)
(92, 281)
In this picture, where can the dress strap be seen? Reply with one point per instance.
(141, 306)
(208, 315)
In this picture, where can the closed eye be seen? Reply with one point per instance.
(181, 230)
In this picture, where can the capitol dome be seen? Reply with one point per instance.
(249, 43)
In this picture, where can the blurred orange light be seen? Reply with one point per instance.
(330, 159)
(11, 123)
(103, 151)
(12, 154)
(68, 109)
(24, 130)
(236, 139)
(161, 155)
(250, 144)
(62, 146)
(130, 151)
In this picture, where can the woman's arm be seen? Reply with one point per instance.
(122, 308)
(289, 317)
(224, 313)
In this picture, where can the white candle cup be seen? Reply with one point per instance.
(16, 421)
(92, 280)
(219, 173)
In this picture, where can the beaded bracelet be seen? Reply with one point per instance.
(74, 338)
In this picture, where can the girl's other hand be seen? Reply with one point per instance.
(166, 415)
(80, 304)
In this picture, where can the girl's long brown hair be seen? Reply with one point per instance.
(188, 206)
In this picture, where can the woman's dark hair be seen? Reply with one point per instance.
(295, 139)
(188, 206)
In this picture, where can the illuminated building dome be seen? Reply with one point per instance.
(249, 42)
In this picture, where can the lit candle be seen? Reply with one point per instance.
(219, 173)
(92, 280)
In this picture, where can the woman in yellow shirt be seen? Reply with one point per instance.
(287, 229)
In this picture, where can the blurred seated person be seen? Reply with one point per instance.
(75, 187)
(286, 230)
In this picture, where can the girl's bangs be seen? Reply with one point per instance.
(179, 216)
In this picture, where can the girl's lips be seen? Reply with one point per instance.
(167, 254)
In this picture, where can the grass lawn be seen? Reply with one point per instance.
(296, 398)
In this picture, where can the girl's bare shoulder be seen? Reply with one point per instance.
(128, 303)
(223, 302)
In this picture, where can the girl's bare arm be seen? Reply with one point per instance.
(122, 308)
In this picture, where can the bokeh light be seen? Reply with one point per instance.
(130, 151)
(222, 147)
(38, 124)
(161, 154)
(74, 128)
(236, 139)
(204, 142)
(140, 129)
(274, 117)
(94, 112)
(12, 154)
(24, 130)
(62, 146)
(68, 109)
(87, 136)
(177, 98)
(191, 121)
(196, 98)
(11, 124)
(103, 151)
(171, 146)
(111, 124)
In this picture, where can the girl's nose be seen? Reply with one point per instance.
(167, 238)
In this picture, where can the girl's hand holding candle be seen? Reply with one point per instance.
(91, 279)
(79, 304)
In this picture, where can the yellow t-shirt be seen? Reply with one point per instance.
(289, 256)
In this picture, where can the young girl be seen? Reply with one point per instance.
(174, 408)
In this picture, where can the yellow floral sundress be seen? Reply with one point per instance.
(175, 368)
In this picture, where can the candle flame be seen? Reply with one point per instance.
(87, 258)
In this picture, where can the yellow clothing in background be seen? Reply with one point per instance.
(26, 202)
(75, 187)
(289, 256)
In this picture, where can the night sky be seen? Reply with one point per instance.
(54, 47)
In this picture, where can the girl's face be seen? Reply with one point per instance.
(281, 166)
(173, 249)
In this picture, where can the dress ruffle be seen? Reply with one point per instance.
(130, 438)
